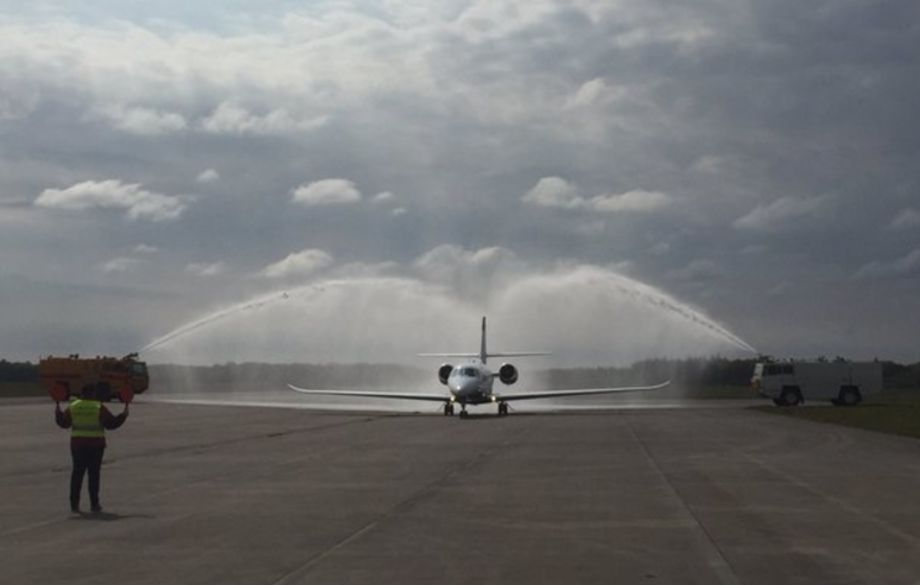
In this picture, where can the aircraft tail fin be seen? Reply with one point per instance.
(484, 354)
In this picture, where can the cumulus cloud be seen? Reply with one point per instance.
(230, 118)
(145, 249)
(142, 121)
(593, 92)
(906, 219)
(207, 176)
(554, 192)
(907, 265)
(120, 264)
(636, 200)
(559, 193)
(470, 273)
(205, 269)
(383, 197)
(301, 263)
(327, 192)
(399, 211)
(139, 203)
(778, 213)
(702, 102)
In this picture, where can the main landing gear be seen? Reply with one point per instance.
(449, 409)
(502, 409)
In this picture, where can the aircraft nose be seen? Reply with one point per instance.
(463, 387)
(468, 387)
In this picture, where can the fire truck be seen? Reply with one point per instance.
(842, 383)
(66, 376)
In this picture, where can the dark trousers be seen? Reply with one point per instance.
(86, 458)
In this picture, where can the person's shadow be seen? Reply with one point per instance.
(107, 516)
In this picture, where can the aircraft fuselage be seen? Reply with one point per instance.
(471, 383)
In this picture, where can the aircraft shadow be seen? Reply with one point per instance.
(108, 516)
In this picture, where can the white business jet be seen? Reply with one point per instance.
(471, 383)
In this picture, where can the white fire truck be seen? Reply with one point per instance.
(842, 383)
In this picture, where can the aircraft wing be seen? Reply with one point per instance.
(396, 394)
(581, 392)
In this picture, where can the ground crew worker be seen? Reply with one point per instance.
(87, 418)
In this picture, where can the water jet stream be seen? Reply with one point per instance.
(582, 314)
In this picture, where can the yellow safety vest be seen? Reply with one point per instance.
(84, 418)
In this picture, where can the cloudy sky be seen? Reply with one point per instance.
(749, 166)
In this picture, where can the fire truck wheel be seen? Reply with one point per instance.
(849, 396)
(791, 397)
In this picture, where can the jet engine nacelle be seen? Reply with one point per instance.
(444, 372)
(508, 374)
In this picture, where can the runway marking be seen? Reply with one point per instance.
(424, 492)
(716, 558)
(839, 436)
(839, 502)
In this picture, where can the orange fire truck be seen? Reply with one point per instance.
(66, 376)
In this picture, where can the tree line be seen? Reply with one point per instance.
(688, 372)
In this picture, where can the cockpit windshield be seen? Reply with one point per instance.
(469, 372)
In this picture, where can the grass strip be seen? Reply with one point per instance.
(897, 413)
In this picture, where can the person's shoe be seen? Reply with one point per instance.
(96, 508)
(74, 510)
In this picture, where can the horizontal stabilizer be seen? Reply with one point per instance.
(488, 355)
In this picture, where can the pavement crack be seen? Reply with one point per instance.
(717, 559)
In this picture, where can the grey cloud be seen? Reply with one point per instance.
(700, 269)
(906, 219)
(299, 264)
(559, 193)
(143, 121)
(907, 265)
(725, 107)
(779, 213)
(120, 264)
(206, 269)
(207, 176)
(231, 118)
(554, 192)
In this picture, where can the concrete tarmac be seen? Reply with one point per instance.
(258, 496)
